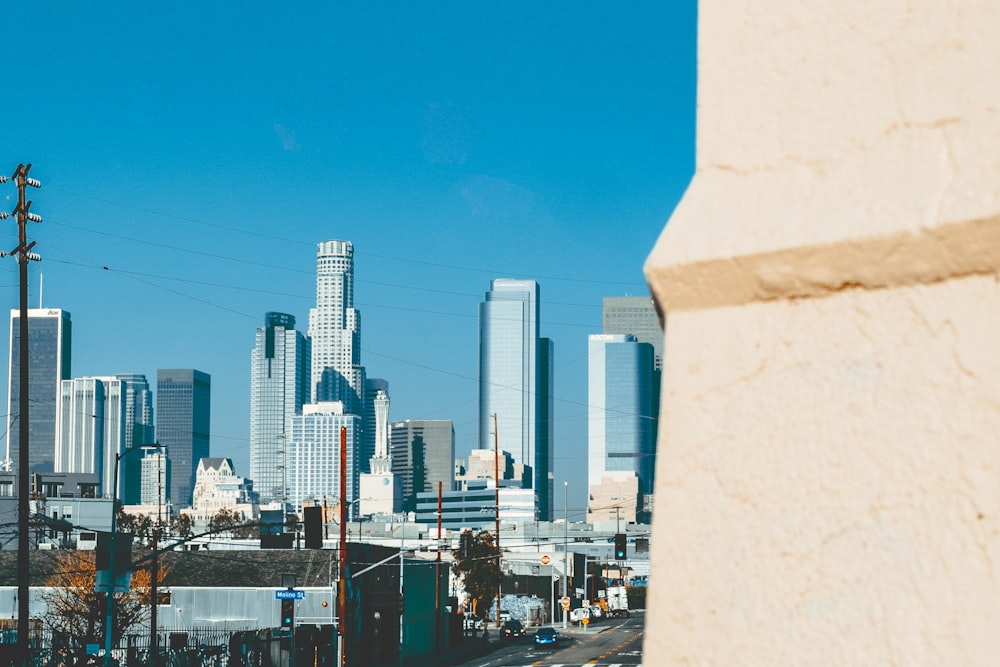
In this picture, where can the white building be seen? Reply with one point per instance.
(335, 330)
(381, 492)
(90, 428)
(217, 487)
(314, 453)
(476, 507)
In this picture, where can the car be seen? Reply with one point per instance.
(546, 637)
(512, 629)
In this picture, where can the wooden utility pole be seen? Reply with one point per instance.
(496, 486)
(24, 254)
(342, 593)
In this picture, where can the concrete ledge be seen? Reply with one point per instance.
(906, 258)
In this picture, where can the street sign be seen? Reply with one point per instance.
(546, 560)
(285, 594)
(565, 603)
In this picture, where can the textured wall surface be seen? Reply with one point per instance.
(828, 482)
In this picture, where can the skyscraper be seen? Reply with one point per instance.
(279, 386)
(634, 315)
(621, 419)
(183, 426)
(314, 454)
(50, 336)
(423, 454)
(335, 330)
(91, 428)
(515, 376)
(139, 428)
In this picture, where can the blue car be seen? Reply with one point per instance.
(546, 637)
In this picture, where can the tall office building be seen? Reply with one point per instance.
(621, 419)
(335, 330)
(139, 428)
(314, 455)
(90, 429)
(515, 376)
(50, 336)
(423, 454)
(183, 425)
(279, 386)
(634, 315)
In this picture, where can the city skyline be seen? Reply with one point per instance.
(189, 170)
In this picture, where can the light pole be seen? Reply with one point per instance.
(565, 545)
(109, 615)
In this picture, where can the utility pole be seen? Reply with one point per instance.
(155, 568)
(24, 255)
(342, 593)
(496, 486)
(565, 546)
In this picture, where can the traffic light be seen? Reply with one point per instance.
(313, 519)
(465, 545)
(620, 550)
(288, 613)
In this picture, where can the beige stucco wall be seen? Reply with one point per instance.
(828, 471)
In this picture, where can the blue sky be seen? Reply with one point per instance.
(192, 154)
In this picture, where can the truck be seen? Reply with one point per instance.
(615, 602)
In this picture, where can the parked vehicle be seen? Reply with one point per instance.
(546, 637)
(578, 614)
(616, 602)
(512, 629)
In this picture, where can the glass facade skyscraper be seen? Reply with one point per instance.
(335, 330)
(423, 454)
(622, 411)
(50, 335)
(634, 315)
(138, 410)
(515, 381)
(279, 386)
(183, 426)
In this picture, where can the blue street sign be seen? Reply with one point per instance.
(286, 594)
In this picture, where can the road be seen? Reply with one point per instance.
(615, 642)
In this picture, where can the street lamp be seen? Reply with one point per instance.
(109, 616)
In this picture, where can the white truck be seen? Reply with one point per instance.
(616, 601)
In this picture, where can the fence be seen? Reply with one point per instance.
(197, 647)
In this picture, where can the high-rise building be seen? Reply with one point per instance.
(139, 429)
(380, 489)
(279, 386)
(91, 428)
(335, 330)
(373, 388)
(622, 412)
(515, 382)
(423, 454)
(183, 426)
(155, 480)
(50, 336)
(634, 315)
(314, 455)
